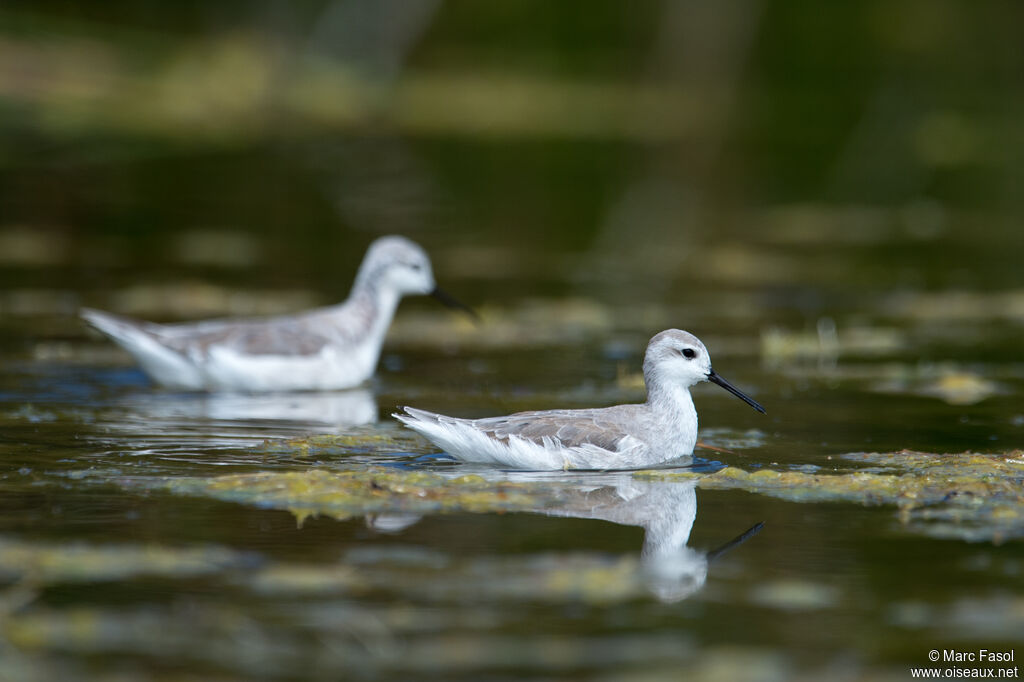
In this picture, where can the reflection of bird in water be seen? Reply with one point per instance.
(353, 407)
(328, 348)
(619, 437)
(665, 510)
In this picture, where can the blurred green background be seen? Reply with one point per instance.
(624, 149)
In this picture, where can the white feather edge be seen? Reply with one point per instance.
(166, 366)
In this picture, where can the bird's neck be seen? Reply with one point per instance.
(372, 306)
(670, 398)
(665, 391)
(673, 408)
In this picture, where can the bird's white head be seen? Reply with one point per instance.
(675, 357)
(398, 264)
(678, 357)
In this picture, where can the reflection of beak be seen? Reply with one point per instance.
(736, 541)
(716, 379)
(452, 302)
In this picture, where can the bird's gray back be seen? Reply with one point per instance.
(600, 427)
(301, 334)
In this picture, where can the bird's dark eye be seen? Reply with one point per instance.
(689, 353)
(416, 266)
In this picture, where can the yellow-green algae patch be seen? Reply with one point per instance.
(534, 322)
(359, 441)
(344, 494)
(588, 578)
(794, 595)
(297, 579)
(969, 496)
(44, 563)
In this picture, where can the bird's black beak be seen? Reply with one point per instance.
(715, 378)
(450, 301)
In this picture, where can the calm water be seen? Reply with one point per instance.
(831, 205)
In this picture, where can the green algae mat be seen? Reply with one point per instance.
(975, 497)
(346, 494)
(970, 496)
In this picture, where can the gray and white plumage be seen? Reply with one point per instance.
(618, 437)
(334, 347)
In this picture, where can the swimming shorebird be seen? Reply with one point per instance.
(618, 437)
(329, 348)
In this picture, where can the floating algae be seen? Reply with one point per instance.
(950, 382)
(585, 577)
(959, 306)
(534, 322)
(827, 343)
(967, 496)
(794, 595)
(298, 579)
(383, 439)
(944, 381)
(346, 494)
(44, 563)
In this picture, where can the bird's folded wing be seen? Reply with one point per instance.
(570, 428)
(273, 337)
